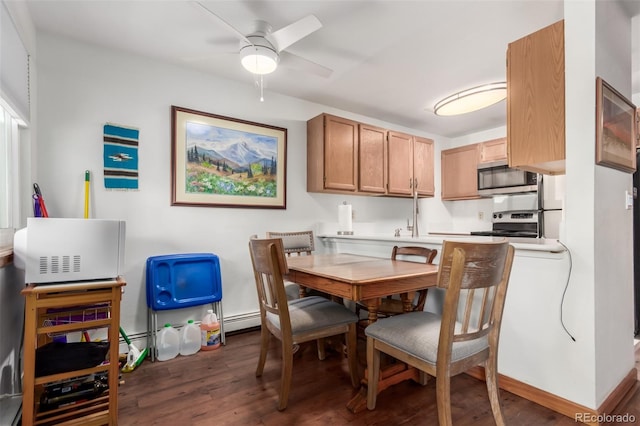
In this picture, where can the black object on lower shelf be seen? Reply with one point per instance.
(58, 357)
(72, 391)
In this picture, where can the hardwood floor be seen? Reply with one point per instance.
(220, 388)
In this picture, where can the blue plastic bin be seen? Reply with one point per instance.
(176, 281)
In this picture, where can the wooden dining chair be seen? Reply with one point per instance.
(475, 277)
(393, 306)
(295, 243)
(294, 321)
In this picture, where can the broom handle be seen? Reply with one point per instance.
(86, 194)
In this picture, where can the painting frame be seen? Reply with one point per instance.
(615, 129)
(240, 163)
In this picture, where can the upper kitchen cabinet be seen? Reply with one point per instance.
(410, 163)
(344, 156)
(460, 173)
(536, 101)
(493, 150)
(423, 166)
(373, 159)
(400, 147)
(332, 154)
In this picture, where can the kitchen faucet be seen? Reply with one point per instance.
(414, 226)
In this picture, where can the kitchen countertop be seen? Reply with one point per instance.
(533, 244)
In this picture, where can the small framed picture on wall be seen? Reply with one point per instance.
(615, 129)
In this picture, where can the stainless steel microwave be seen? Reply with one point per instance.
(498, 178)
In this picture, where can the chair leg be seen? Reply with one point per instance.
(287, 369)
(264, 347)
(491, 377)
(352, 357)
(373, 373)
(322, 354)
(443, 398)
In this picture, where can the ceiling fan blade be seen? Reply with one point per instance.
(224, 23)
(298, 30)
(296, 62)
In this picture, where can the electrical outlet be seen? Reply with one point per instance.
(480, 215)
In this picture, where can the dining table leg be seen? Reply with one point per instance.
(373, 305)
(391, 374)
(407, 301)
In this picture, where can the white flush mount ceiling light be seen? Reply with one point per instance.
(259, 58)
(471, 99)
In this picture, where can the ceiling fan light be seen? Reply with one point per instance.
(472, 99)
(259, 59)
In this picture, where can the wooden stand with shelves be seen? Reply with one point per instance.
(38, 300)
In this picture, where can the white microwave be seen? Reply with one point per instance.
(498, 178)
(65, 250)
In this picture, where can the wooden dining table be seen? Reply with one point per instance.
(367, 280)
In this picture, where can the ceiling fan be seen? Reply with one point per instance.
(263, 49)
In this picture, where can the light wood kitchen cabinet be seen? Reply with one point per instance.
(332, 154)
(459, 173)
(423, 166)
(536, 101)
(400, 146)
(410, 162)
(344, 156)
(372, 159)
(493, 150)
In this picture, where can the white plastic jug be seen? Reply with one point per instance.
(189, 339)
(168, 344)
(210, 329)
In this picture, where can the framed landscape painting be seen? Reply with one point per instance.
(615, 129)
(226, 162)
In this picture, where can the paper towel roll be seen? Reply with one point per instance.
(345, 224)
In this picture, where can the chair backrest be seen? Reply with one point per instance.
(299, 242)
(427, 255)
(269, 265)
(476, 276)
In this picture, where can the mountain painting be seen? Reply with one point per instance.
(230, 162)
(226, 162)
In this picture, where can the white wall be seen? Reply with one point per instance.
(612, 221)
(597, 309)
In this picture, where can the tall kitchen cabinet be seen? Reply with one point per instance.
(536, 101)
(459, 168)
(344, 156)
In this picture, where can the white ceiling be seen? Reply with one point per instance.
(391, 60)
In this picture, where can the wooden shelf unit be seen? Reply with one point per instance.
(60, 296)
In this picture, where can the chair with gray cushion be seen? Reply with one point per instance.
(296, 243)
(294, 321)
(475, 278)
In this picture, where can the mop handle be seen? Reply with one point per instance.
(124, 336)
